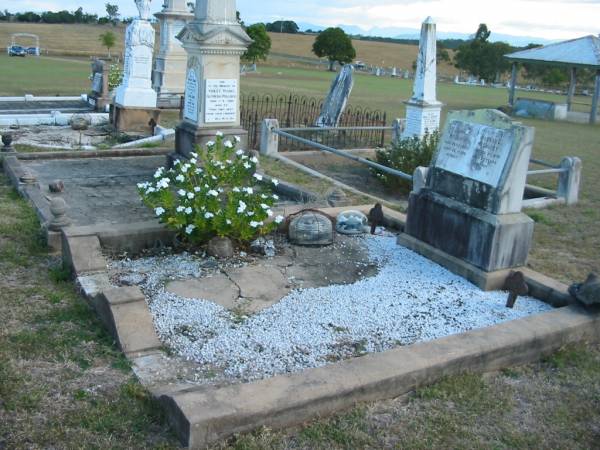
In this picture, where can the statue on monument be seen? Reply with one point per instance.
(143, 7)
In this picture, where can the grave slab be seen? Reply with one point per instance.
(218, 289)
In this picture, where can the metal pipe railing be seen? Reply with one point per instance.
(343, 154)
(546, 171)
(371, 128)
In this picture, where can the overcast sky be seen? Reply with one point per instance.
(549, 19)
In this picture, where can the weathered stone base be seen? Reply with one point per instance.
(135, 120)
(187, 137)
(487, 241)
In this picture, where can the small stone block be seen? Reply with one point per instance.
(83, 254)
(129, 320)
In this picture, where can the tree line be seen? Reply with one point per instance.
(64, 16)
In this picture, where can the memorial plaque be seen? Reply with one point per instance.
(475, 151)
(97, 83)
(190, 108)
(221, 101)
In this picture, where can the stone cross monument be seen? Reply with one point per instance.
(214, 42)
(135, 100)
(168, 78)
(423, 110)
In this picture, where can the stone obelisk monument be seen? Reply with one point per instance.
(423, 110)
(135, 100)
(168, 78)
(214, 42)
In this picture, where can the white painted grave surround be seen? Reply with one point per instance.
(136, 89)
(423, 110)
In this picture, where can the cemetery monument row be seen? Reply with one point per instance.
(470, 207)
(214, 42)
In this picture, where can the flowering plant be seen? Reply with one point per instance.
(216, 193)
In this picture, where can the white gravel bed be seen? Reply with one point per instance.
(410, 300)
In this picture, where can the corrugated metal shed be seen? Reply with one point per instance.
(582, 52)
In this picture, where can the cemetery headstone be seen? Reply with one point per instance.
(170, 66)
(99, 97)
(337, 99)
(471, 205)
(135, 100)
(423, 110)
(214, 42)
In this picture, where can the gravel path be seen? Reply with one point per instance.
(410, 300)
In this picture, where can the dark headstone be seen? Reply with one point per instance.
(336, 100)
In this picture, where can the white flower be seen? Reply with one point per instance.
(263, 196)
(190, 195)
(275, 197)
(240, 152)
(263, 206)
(244, 157)
(269, 213)
(159, 211)
(210, 143)
(278, 219)
(242, 207)
(150, 190)
(143, 185)
(220, 190)
(237, 139)
(247, 165)
(159, 172)
(228, 222)
(180, 208)
(180, 178)
(163, 184)
(258, 176)
(249, 191)
(254, 224)
(250, 213)
(230, 162)
(208, 215)
(177, 162)
(197, 189)
(193, 160)
(275, 181)
(254, 159)
(188, 210)
(213, 193)
(198, 171)
(185, 168)
(228, 144)
(236, 189)
(190, 228)
(213, 177)
(181, 193)
(194, 155)
(219, 134)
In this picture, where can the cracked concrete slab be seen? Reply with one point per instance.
(218, 289)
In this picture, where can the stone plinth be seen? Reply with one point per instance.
(214, 42)
(471, 205)
(135, 120)
(168, 78)
(136, 90)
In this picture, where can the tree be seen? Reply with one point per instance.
(283, 26)
(482, 58)
(113, 12)
(261, 45)
(108, 40)
(335, 45)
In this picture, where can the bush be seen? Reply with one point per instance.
(216, 193)
(115, 76)
(406, 156)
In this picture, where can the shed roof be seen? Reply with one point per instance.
(582, 52)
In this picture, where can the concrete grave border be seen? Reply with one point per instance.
(201, 415)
